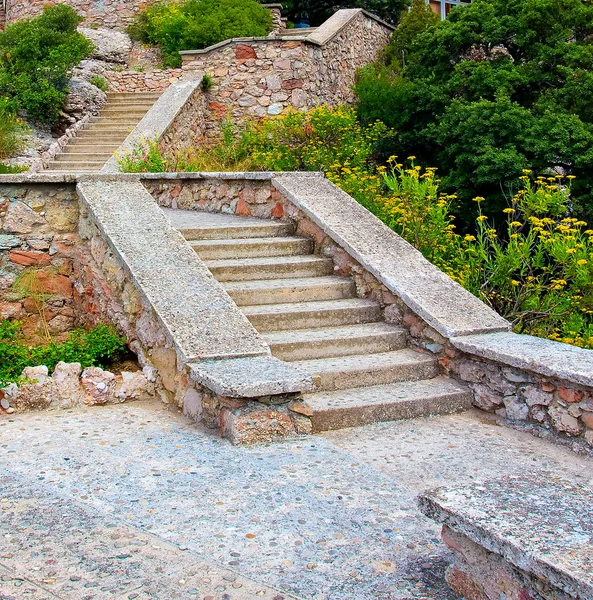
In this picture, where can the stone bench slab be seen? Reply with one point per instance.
(542, 525)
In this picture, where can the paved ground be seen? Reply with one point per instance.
(133, 502)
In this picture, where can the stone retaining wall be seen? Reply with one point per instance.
(142, 81)
(106, 13)
(38, 237)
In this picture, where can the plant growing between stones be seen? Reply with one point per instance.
(99, 82)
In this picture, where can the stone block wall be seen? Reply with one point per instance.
(260, 77)
(38, 239)
(106, 13)
(145, 81)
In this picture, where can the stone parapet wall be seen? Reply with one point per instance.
(257, 77)
(107, 13)
(38, 239)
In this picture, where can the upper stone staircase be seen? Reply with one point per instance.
(364, 370)
(2, 16)
(94, 145)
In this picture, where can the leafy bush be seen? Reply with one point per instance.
(196, 24)
(99, 346)
(12, 131)
(36, 56)
(498, 87)
(99, 82)
(12, 169)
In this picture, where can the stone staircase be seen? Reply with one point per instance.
(94, 145)
(364, 370)
(2, 16)
(297, 31)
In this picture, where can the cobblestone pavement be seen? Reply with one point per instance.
(133, 502)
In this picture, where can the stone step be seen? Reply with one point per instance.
(76, 166)
(340, 373)
(127, 120)
(252, 247)
(390, 402)
(277, 267)
(76, 146)
(101, 139)
(101, 128)
(221, 232)
(125, 109)
(309, 315)
(367, 338)
(70, 155)
(275, 291)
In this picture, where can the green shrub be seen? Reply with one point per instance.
(99, 82)
(36, 56)
(99, 346)
(12, 169)
(12, 131)
(498, 87)
(196, 24)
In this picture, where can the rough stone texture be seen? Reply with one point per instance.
(152, 80)
(70, 387)
(83, 98)
(38, 232)
(171, 277)
(107, 13)
(331, 517)
(251, 377)
(262, 76)
(174, 119)
(436, 298)
(540, 525)
(110, 46)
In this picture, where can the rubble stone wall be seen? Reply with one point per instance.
(261, 77)
(142, 81)
(38, 238)
(106, 13)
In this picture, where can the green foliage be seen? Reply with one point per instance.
(12, 131)
(12, 169)
(419, 18)
(99, 346)
(99, 82)
(36, 56)
(144, 158)
(196, 24)
(500, 86)
(207, 82)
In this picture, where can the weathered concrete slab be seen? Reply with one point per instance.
(158, 119)
(200, 317)
(251, 377)
(539, 355)
(434, 296)
(542, 525)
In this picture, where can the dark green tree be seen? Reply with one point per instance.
(500, 86)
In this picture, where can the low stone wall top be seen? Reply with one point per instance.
(542, 527)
